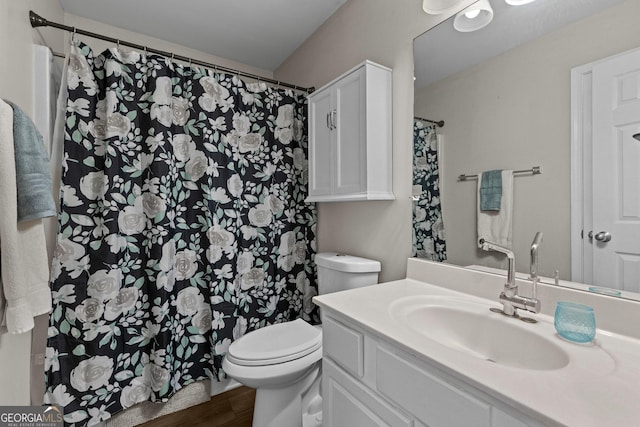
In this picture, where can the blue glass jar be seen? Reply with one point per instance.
(575, 322)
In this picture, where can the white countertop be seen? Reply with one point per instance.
(599, 387)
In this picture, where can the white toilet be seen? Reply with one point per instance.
(282, 361)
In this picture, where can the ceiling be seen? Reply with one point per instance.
(443, 51)
(261, 33)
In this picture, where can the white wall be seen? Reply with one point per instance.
(513, 112)
(382, 31)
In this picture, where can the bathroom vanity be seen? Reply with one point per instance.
(426, 351)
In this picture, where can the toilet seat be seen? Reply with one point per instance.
(275, 344)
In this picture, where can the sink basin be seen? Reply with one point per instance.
(467, 326)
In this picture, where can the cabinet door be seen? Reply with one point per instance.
(430, 398)
(350, 153)
(320, 144)
(347, 403)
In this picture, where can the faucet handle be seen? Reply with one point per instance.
(523, 303)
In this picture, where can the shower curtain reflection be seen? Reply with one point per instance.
(428, 228)
(182, 226)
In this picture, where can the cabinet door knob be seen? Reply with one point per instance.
(334, 116)
(329, 121)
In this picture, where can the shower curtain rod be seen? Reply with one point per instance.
(440, 123)
(38, 21)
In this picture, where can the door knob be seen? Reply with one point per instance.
(603, 236)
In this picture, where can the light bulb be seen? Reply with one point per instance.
(475, 17)
(472, 14)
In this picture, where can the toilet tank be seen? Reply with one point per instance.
(339, 272)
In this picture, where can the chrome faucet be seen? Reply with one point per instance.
(509, 297)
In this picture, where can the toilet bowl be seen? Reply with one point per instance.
(283, 361)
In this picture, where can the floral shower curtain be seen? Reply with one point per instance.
(428, 228)
(182, 226)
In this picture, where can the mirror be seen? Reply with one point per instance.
(504, 93)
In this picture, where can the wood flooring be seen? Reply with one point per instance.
(233, 408)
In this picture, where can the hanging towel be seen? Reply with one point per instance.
(496, 226)
(490, 190)
(33, 177)
(24, 266)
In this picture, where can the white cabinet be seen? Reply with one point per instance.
(349, 403)
(350, 137)
(367, 381)
(432, 400)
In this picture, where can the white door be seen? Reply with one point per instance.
(615, 241)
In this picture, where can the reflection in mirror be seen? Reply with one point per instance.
(428, 229)
(505, 94)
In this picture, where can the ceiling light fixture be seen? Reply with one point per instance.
(518, 2)
(437, 7)
(473, 18)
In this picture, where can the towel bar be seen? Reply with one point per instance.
(536, 170)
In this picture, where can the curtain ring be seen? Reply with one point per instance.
(73, 35)
(172, 56)
(145, 51)
(118, 45)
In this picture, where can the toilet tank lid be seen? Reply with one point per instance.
(346, 263)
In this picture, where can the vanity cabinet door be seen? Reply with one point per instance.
(429, 398)
(348, 403)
